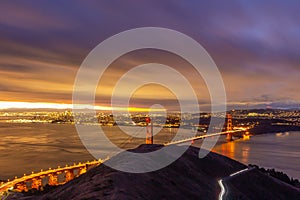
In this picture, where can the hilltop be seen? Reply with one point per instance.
(187, 178)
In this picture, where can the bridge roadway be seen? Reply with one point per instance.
(204, 136)
(36, 178)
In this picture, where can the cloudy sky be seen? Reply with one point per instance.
(255, 44)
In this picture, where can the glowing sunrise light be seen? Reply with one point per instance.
(30, 105)
(37, 105)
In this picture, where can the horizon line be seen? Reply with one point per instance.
(5, 105)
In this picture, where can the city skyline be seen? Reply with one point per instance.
(255, 45)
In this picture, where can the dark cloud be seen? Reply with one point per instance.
(255, 44)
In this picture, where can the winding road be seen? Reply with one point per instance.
(223, 185)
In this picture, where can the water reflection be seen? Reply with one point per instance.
(280, 151)
(239, 149)
(227, 149)
(245, 154)
(234, 151)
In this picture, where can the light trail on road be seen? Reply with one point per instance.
(221, 182)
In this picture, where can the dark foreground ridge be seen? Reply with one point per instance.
(187, 178)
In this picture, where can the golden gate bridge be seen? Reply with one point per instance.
(37, 180)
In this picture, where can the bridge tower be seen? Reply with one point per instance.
(229, 127)
(149, 131)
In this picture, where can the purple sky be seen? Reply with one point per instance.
(255, 44)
